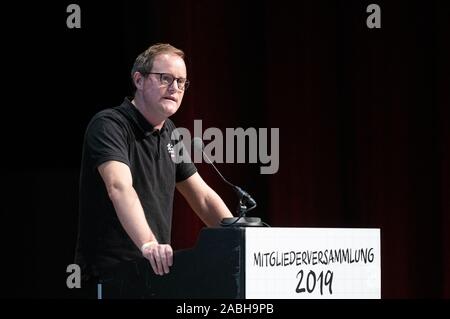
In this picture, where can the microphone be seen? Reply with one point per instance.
(246, 202)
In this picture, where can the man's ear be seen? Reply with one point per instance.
(138, 80)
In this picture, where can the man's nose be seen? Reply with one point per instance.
(174, 86)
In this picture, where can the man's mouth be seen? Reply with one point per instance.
(171, 98)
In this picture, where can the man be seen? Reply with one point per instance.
(128, 175)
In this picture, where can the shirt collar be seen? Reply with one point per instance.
(141, 122)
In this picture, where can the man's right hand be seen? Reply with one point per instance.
(159, 255)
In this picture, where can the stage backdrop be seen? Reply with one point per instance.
(363, 116)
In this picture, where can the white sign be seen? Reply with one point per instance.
(312, 263)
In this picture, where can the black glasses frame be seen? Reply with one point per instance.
(184, 84)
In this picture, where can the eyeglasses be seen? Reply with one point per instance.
(167, 79)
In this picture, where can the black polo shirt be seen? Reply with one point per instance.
(123, 134)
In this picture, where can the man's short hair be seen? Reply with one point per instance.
(144, 62)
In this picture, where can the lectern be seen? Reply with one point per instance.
(266, 263)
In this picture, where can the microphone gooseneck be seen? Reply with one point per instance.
(246, 202)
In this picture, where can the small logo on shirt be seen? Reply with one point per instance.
(170, 150)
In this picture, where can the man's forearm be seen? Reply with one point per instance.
(214, 209)
(131, 215)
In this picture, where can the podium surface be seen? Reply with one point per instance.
(312, 263)
(269, 263)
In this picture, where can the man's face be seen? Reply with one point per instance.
(161, 99)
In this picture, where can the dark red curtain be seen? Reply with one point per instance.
(363, 117)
